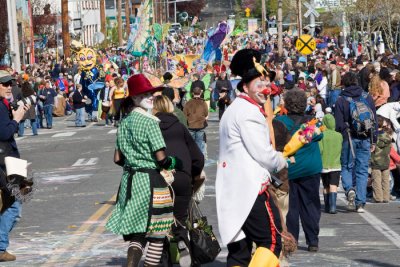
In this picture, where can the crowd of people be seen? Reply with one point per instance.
(265, 103)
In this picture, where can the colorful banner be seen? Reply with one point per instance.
(252, 26)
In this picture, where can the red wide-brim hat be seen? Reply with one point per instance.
(138, 84)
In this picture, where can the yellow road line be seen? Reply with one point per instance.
(88, 242)
(71, 242)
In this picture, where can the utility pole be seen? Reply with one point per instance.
(128, 17)
(167, 11)
(65, 29)
(299, 19)
(175, 10)
(312, 20)
(103, 17)
(263, 14)
(280, 34)
(119, 22)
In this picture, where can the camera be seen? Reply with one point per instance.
(276, 182)
(30, 100)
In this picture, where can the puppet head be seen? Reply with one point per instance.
(87, 58)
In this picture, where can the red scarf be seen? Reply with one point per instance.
(252, 101)
(5, 101)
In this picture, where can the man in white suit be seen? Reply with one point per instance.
(246, 212)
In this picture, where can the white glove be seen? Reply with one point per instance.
(282, 162)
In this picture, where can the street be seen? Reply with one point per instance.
(77, 181)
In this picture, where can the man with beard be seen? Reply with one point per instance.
(246, 161)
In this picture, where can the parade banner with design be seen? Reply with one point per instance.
(252, 26)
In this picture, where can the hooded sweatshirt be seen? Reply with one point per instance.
(380, 158)
(330, 146)
(180, 144)
(342, 111)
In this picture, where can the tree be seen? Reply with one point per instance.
(193, 8)
(103, 17)
(127, 18)
(65, 29)
(3, 29)
(119, 21)
(44, 20)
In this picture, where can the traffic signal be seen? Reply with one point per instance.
(247, 11)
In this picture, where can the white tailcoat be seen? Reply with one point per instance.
(246, 159)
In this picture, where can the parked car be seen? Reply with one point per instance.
(176, 26)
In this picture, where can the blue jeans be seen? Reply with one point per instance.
(355, 170)
(80, 117)
(21, 128)
(198, 137)
(333, 96)
(7, 221)
(48, 113)
(275, 101)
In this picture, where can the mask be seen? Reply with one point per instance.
(87, 58)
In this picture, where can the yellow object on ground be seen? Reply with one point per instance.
(264, 257)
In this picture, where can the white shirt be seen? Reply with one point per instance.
(322, 87)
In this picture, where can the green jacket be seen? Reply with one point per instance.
(331, 145)
(380, 159)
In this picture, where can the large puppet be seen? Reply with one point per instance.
(90, 78)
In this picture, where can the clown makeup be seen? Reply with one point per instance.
(255, 87)
(144, 101)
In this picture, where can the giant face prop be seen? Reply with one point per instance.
(87, 58)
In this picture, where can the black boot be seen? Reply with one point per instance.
(332, 203)
(326, 203)
(134, 256)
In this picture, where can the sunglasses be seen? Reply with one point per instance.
(7, 84)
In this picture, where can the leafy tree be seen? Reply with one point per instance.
(45, 20)
(3, 29)
(193, 8)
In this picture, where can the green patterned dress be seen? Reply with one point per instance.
(148, 208)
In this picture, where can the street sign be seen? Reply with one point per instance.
(311, 10)
(306, 44)
(272, 31)
(247, 11)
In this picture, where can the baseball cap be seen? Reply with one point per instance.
(5, 76)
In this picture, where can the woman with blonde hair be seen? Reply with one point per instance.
(118, 93)
(379, 90)
(180, 144)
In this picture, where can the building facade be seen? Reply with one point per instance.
(85, 20)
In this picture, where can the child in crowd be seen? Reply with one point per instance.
(331, 148)
(301, 84)
(380, 161)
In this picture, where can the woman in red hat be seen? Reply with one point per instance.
(143, 212)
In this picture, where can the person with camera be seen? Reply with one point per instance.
(247, 161)
(9, 119)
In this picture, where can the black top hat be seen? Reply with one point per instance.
(246, 64)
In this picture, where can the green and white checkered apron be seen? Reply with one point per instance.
(138, 138)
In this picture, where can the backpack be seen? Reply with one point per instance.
(362, 117)
(61, 84)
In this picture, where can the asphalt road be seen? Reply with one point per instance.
(77, 181)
